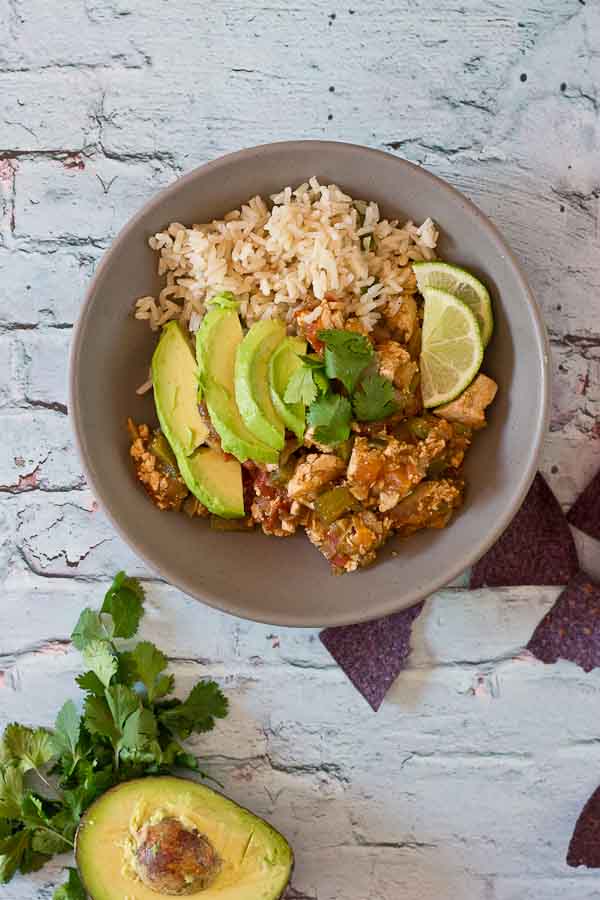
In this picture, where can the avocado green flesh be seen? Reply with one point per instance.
(282, 365)
(214, 480)
(252, 392)
(174, 378)
(256, 861)
(217, 341)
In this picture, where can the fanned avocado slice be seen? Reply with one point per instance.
(175, 381)
(217, 342)
(163, 836)
(252, 392)
(215, 480)
(282, 365)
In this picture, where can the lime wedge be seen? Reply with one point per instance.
(451, 349)
(463, 285)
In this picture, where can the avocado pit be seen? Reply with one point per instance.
(171, 858)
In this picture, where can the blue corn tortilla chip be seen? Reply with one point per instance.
(585, 512)
(571, 630)
(372, 653)
(536, 548)
(584, 848)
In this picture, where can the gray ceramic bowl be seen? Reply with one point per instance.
(287, 582)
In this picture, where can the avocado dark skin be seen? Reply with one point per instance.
(172, 859)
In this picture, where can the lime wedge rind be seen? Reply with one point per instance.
(463, 285)
(442, 379)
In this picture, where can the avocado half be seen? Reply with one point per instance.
(133, 838)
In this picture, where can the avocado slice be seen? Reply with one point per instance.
(282, 365)
(175, 381)
(159, 836)
(252, 392)
(217, 342)
(215, 480)
(209, 475)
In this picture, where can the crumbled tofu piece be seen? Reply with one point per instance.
(313, 473)
(167, 491)
(364, 468)
(469, 408)
(351, 542)
(429, 506)
(395, 364)
(383, 476)
(404, 320)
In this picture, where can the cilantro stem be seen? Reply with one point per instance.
(45, 780)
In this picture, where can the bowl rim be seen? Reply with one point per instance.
(433, 582)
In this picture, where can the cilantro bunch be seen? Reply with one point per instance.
(130, 727)
(346, 360)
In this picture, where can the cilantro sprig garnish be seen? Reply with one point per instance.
(130, 727)
(347, 361)
(374, 399)
(308, 381)
(301, 387)
(330, 416)
(347, 354)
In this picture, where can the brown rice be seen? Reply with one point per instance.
(310, 243)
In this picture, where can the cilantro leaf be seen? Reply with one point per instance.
(205, 703)
(301, 387)
(72, 889)
(31, 861)
(122, 702)
(48, 843)
(67, 731)
(174, 756)
(321, 381)
(347, 354)
(140, 730)
(90, 682)
(38, 821)
(12, 850)
(32, 812)
(11, 792)
(127, 672)
(107, 716)
(98, 718)
(330, 416)
(28, 748)
(124, 602)
(99, 656)
(90, 627)
(374, 399)
(149, 663)
(92, 783)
